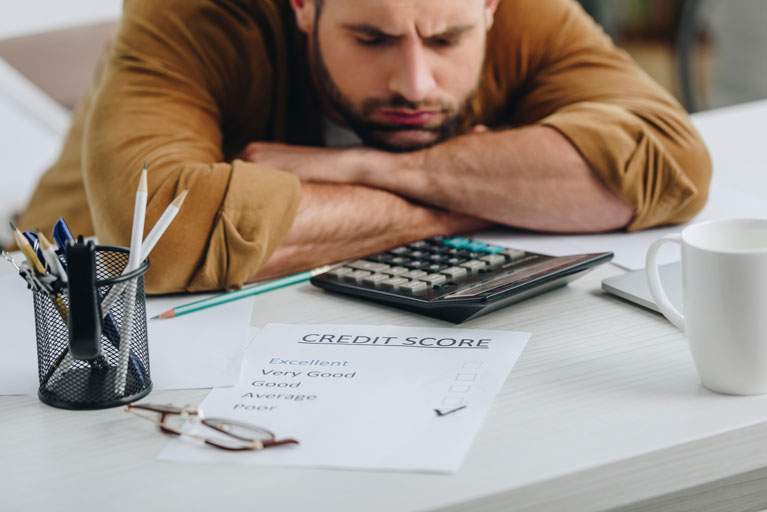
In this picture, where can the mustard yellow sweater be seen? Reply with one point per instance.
(185, 84)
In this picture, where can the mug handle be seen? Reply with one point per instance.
(656, 287)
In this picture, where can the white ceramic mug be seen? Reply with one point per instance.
(724, 292)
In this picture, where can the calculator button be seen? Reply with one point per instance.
(384, 257)
(513, 254)
(416, 255)
(357, 275)
(494, 249)
(414, 287)
(474, 265)
(438, 238)
(367, 265)
(434, 279)
(476, 246)
(340, 272)
(434, 267)
(493, 259)
(414, 274)
(438, 257)
(395, 271)
(455, 261)
(399, 260)
(394, 282)
(454, 272)
(415, 264)
(440, 249)
(400, 250)
(375, 279)
(418, 244)
(457, 242)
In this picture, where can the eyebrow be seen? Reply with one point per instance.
(373, 31)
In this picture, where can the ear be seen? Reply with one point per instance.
(490, 7)
(305, 12)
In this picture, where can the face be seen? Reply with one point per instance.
(400, 73)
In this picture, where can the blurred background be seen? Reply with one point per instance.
(708, 53)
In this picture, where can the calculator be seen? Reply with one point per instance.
(454, 278)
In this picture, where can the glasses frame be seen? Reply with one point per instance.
(216, 424)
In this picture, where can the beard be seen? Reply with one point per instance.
(378, 135)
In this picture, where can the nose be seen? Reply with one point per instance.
(413, 78)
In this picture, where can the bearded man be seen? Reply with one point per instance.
(311, 131)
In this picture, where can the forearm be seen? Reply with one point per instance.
(337, 222)
(530, 177)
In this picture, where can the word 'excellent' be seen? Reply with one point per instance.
(395, 341)
(309, 362)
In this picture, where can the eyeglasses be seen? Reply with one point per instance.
(224, 434)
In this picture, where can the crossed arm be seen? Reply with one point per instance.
(530, 177)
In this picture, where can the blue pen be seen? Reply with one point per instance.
(31, 237)
(62, 235)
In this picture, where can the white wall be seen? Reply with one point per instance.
(24, 17)
(739, 29)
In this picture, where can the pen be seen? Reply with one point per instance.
(26, 248)
(49, 254)
(63, 235)
(34, 241)
(58, 302)
(243, 292)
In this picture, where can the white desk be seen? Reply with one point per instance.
(603, 411)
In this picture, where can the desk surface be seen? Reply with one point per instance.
(604, 410)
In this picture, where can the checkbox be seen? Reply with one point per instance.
(452, 401)
(465, 377)
(472, 365)
(459, 388)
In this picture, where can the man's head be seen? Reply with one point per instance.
(400, 73)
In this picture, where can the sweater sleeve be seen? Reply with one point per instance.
(631, 132)
(180, 76)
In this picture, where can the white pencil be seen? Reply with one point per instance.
(137, 233)
(162, 224)
(130, 294)
(134, 260)
(146, 247)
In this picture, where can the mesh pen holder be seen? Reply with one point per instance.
(69, 381)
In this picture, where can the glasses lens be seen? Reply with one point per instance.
(238, 430)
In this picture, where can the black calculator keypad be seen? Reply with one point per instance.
(454, 278)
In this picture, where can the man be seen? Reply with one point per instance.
(470, 113)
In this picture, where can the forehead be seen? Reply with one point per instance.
(397, 16)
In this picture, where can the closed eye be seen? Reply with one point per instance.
(374, 41)
(442, 42)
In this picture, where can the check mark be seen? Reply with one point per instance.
(440, 413)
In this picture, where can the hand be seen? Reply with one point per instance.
(310, 163)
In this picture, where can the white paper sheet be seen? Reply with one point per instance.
(630, 248)
(359, 396)
(18, 348)
(198, 350)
